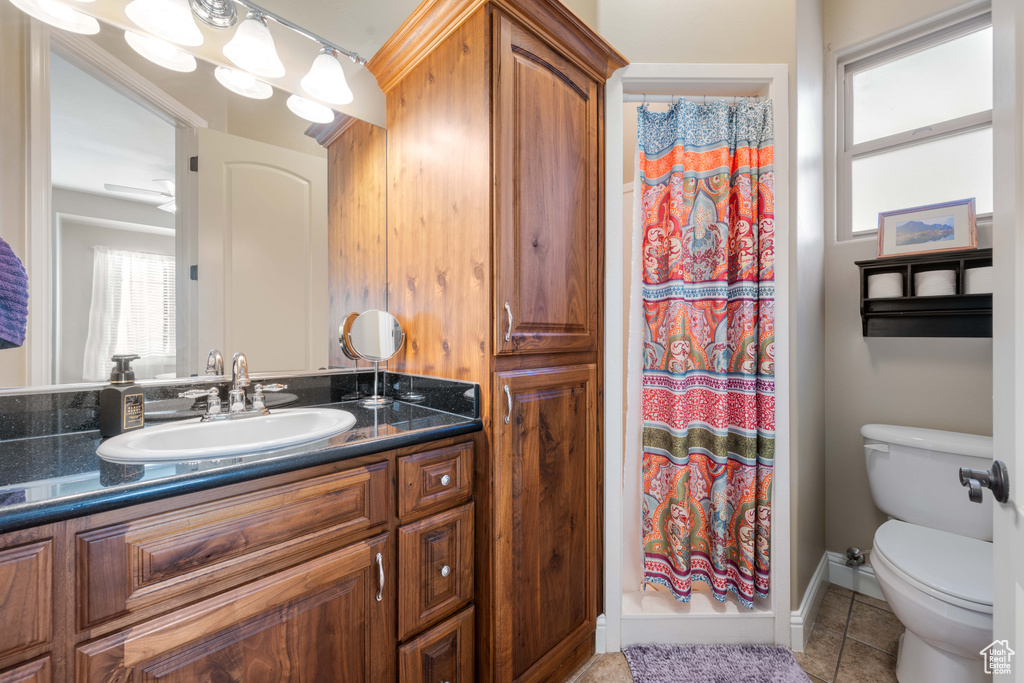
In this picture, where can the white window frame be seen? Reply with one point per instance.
(890, 50)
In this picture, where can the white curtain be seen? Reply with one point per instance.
(132, 311)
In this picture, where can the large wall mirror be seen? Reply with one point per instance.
(159, 213)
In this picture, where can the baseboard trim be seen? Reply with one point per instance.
(601, 635)
(858, 579)
(802, 619)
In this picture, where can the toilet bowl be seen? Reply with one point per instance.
(933, 558)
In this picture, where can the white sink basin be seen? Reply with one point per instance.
(191, 440)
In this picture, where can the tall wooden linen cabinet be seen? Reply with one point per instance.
(495, 114)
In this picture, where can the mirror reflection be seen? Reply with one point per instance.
(170, 215)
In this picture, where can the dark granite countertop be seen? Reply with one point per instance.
(45, 479)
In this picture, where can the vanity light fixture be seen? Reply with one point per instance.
(242, 83)
(170, 20)
(161, 52)
(309, 110)
(326, 78)
(59, 15)
(252, 48)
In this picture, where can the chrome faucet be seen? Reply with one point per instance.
(239, 381)
(214, 363)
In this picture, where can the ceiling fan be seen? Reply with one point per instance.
(166, 193)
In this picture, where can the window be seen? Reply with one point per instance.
(132, 311)
(915, 125)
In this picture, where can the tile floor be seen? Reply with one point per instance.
(853, 640)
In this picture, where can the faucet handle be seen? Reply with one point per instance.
(260, 388)
(258, 403)
(213, 398)
(198, 393)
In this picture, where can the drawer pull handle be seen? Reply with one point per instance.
(446, 570)
(508, 395)
(445, 480)
(508, 334)
(380, 577)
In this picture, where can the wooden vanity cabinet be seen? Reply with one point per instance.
(546, 124)
(302, 576)
(495, 118)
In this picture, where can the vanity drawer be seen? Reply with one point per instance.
(26, 590)
(37, 671)
(434, 480)
(198, 550)
(444, 653)
(435, 568)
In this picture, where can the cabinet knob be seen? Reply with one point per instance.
(445, 480)
(446, 570)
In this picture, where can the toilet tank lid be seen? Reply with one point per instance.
(930, 439)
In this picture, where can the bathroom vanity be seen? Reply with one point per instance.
(349, 559)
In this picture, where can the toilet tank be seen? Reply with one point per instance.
(914, 477)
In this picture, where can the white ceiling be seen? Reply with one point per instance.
(99, 136)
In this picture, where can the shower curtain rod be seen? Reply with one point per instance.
(672, 99)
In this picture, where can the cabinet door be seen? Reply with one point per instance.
(546, 424)
(329, 619)
(444, 654)
(546, 155)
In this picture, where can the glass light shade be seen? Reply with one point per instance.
(252, 48)
(242, 83)
(59, 15)
(326, 79)
(171, 20)
(309, 110)
(161, 52)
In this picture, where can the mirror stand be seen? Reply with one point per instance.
(376, 401)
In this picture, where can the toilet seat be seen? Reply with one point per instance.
(955, 569)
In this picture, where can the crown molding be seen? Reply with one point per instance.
(434, 20)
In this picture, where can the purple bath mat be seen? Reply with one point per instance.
(713, 664)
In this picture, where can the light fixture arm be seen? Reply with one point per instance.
(253, 7)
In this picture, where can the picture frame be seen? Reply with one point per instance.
(931, 229)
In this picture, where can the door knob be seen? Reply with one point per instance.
(997, 479)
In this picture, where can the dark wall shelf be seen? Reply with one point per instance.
(957, 315)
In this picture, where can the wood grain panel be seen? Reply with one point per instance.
(434, 480)
(26, 596)
(36, 671)
(138, 563)
(547, 563)
(444, 653)
(425, 592)
(546, 197)
(439, 207)
(433, 21)
(356, 227)
(263, 631)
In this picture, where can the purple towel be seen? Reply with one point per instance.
(13, 298)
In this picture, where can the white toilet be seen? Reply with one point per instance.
(933, 558)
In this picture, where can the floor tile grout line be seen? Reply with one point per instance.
(842, 645)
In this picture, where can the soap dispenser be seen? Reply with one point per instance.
(122, 403)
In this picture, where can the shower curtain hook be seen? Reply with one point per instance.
(644, 103)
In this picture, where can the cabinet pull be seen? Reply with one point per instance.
(508, 334)
(446, 570)
(445, 480)
(380, 578)
(508, 395)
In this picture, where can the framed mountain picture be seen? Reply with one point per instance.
(928, 229)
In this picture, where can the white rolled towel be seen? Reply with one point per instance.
(885, 285)
(978, 280)
(935, 283)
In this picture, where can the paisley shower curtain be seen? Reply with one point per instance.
(708, 404)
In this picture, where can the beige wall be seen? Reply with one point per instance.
(936, 383)
(13, 153)
(807, 307)
(786, 32)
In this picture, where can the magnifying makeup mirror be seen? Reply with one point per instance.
(375, 336)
